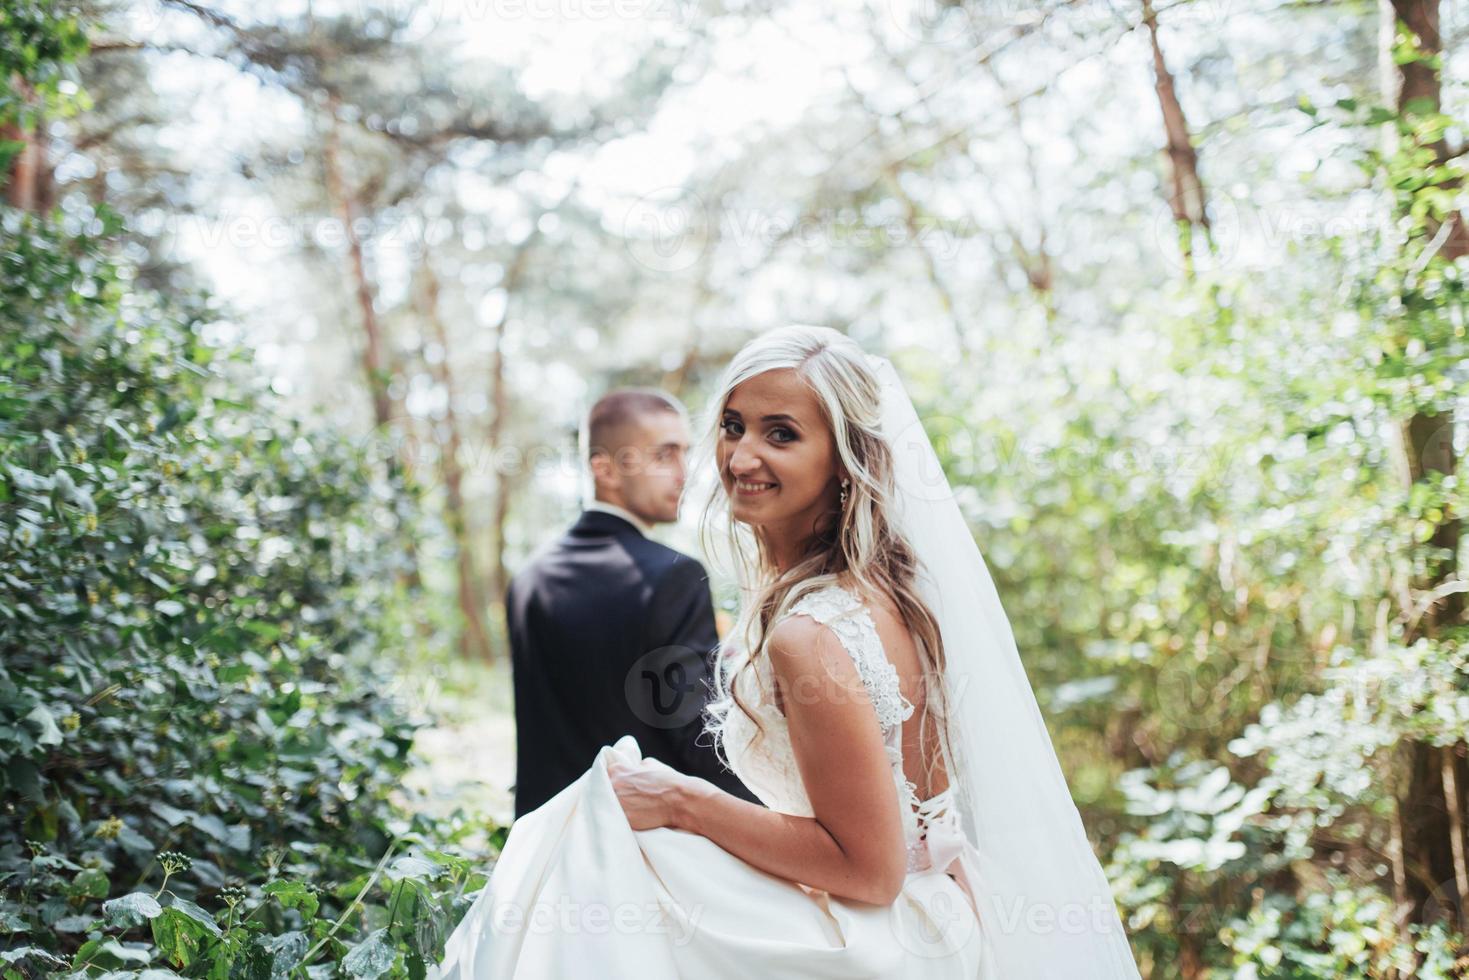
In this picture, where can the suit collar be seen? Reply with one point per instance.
(593, 523)
(602, 507)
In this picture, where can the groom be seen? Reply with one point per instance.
(611, 632)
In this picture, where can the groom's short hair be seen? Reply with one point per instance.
(608, 423)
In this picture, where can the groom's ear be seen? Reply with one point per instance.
(603, 471)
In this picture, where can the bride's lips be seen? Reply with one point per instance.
(752, 488)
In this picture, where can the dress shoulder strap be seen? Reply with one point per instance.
(849, 618)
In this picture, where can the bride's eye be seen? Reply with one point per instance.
(727, 424)
(789, 435)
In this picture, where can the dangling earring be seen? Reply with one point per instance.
(845, 484)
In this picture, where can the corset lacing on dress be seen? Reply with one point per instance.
(933, 832)
(849, 618)
(930, 814)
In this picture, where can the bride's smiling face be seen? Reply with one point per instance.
(776, 455)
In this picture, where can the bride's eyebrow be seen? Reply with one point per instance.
(778, 417)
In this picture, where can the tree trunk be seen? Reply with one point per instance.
(499, 409)
(1432, 835)
(28, 185)
(374, 363)
(1451, 793)
(1186, 198)
(345, 204)
(1432, 830)
(1190, 965)
(474, 636)
(1035, 262)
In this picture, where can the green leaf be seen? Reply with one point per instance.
(410, 866)
(194, 912)
(20, 953)
(370, 958)
(125, 954)
(90, 883)
(74, 923)
(27, 480)
(274, 957)
(134, 842)
(42, 718)
(172, 815)
(294, 895)
(177, 936)
(131, 910)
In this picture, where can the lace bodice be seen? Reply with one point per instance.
(767, 765)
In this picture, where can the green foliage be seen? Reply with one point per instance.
(192, 627)
(39, 39)
(200, 751)
(1212, 559)
(1346, 931)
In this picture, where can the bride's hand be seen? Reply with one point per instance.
(648, 791)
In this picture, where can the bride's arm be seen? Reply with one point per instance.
(853, 847)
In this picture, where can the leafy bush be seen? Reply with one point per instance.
(1346, 931)
(194, 608)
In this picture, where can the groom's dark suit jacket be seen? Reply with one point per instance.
(611, 633)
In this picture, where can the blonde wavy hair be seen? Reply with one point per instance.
(859, 541)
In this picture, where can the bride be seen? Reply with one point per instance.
(917, 822)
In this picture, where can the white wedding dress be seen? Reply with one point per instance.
(577, 893)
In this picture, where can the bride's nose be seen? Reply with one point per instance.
(743, 461)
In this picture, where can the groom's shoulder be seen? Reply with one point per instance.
(658, 561)
(653, 560)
